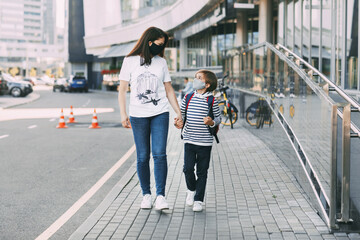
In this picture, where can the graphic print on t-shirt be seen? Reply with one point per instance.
(147, 85)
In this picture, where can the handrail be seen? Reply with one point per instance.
(337, 89)
(328, 207)
(353, 127)
(341, 92)
(301, 73)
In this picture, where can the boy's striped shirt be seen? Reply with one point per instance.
(195, 131)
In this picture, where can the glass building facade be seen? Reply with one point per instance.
(133, 10)
(205, 49)
(324, 33)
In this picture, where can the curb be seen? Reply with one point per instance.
(104, 205)
(104, 92)
(35, 96)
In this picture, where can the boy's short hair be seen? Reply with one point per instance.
(210, 78)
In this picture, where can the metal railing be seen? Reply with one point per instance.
(347, 126)
(321, 87)
(323, 77)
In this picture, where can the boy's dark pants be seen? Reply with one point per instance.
(199, 155)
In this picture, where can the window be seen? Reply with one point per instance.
(290, 24)
(32, 13)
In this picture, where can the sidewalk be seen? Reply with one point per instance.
(8, 101)
(250, 195)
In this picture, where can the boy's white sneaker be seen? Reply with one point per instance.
(197, 206)
(146, 202)
(190, 197)
(160, 203)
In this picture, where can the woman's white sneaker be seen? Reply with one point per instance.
(190, 197)
(146, 202)
(160, 203)
(197, 206)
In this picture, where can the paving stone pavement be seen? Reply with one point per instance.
(250, 194)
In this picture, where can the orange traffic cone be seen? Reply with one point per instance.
(62, 121)
(71, 118)
(94, 122)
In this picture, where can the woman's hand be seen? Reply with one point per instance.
(122, 104)
(126, 122)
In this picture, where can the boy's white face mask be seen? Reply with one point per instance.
(198, 84)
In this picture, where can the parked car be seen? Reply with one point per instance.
(17, 88)
(29, 80)
(49, 81)
(38, 81)
(4, 89)
(78, 83)
(61, 84)
(111, 81)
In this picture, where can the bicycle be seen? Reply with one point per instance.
(259, 113)
(226, 106)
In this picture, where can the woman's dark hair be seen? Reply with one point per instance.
(142, 46)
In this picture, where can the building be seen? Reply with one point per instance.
(79, 63)
(112, 36)
(32, 36)
(324, 33)
(208, 27)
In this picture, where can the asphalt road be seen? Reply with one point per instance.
(45, 170)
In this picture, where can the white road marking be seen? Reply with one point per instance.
(32, 126)
(53, 119)
(36, 113)
(3, 136)
(87, 103)
(79, 203)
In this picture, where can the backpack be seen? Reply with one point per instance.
(210, 100)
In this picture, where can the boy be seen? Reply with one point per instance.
(197, 138)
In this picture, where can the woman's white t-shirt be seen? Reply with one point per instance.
(147, 96)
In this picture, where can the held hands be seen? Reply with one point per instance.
(208, 121)
(178, 122)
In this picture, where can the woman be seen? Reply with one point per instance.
(151, 91)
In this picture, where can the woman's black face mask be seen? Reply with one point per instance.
(156, 49)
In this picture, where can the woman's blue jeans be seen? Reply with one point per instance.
(157, 128)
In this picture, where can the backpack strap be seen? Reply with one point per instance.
(188, 97)
(187, 101)
(210, 101)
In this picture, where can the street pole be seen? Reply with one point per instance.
(27, 61)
